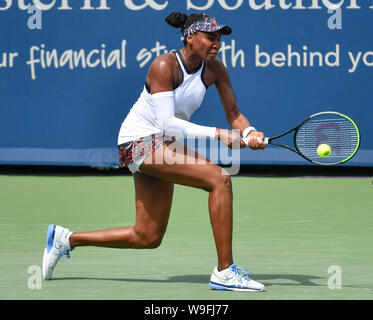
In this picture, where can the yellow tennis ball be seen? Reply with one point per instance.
(324, 150)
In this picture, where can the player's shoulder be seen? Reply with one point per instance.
(164, 62)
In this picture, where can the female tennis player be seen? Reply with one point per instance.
(174, 88)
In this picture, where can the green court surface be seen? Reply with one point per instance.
(301, 237)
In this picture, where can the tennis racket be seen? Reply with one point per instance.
(332, 128)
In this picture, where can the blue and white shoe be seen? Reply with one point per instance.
(234, 278)
(58, 245)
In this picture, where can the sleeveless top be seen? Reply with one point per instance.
(189, 93)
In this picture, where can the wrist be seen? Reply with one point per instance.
(247, 131)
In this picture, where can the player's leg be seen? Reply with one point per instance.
(183, 166)
(153, 206)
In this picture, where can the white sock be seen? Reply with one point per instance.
(66, 239)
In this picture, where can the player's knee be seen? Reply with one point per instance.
(151, 240)
(222, 182)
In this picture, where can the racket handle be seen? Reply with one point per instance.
(246, 140)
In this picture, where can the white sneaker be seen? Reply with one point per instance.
(58, 245)
(235, 279)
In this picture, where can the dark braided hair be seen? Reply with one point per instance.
(183, 21)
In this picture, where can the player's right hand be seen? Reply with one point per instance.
(255, 140)
(230, 138)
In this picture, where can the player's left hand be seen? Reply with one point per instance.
(256, 139)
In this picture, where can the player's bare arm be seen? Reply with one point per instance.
(163, 74)
(235, 117)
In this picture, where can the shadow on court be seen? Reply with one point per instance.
(267, 279)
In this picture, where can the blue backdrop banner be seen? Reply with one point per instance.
(70, 70)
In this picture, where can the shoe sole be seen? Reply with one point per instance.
(47, 274)
(216, 286)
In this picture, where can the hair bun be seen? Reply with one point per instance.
(176, 19)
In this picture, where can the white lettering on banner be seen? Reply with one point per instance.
(300, 59)
(146, 55)
(315, 5)
(353, 5)
(365, 58)
(7, 59)
(201, 5)
(284, 5)
(234, 55)
(267, 4)
(333, 6)
(191, 5)
(43, 6)
(22, 5)
(64, 5)
(88, 6)
(91, 64)
(356, 60)
(151, 3)
(270, 4)
(224, 5)
(41, 57)
(75, 59)
(299, 5)
(8, 4)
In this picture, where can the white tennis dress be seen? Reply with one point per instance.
(141, 121)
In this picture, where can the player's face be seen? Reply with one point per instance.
(207, 44)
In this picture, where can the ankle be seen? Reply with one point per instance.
(222, 267)
(71, 242)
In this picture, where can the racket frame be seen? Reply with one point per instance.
(295, 129)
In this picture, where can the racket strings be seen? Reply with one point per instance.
(336, 131)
